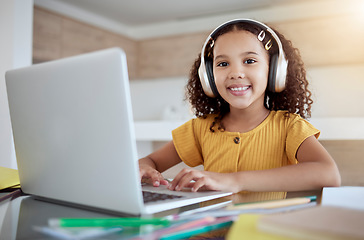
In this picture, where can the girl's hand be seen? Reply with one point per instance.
(203, 180)
(151, 166)
(151, 176)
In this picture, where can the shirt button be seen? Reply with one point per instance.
(237, 140)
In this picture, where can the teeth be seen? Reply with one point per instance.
(239, 88)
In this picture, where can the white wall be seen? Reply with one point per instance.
(338, 91)
(159, 99)
(16, 25)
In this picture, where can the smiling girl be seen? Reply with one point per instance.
(248, 89)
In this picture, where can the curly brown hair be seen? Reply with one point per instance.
(295, 98)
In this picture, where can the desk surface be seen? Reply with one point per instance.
(19, 215)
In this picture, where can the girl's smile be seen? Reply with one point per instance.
(238, 89)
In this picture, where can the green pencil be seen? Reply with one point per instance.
(106, 222)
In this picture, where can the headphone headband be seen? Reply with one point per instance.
(277, 68)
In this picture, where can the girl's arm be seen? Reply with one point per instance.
(152, 165)
(316, 169)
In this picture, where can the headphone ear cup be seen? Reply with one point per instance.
(272, 76)
(210, 75)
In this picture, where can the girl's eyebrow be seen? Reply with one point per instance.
(220, 56)
(223, 56)
(248, 53)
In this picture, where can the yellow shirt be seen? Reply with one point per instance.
(273, 143)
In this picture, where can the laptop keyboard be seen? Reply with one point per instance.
(153, 196)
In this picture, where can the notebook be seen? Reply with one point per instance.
(344, 196)
(74, 135)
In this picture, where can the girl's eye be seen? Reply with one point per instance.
(222, 64)
(249, 61)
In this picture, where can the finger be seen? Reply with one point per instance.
(144, 173)
(190, 185)
(175, 180)
(146, 180)
(187, 178)
(155, 177)
(200, 183)
(197, 185)
(164, 182)
(141, 174)
(178, 178)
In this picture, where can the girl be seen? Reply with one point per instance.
(248, 90)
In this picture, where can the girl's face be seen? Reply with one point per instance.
(240, 67)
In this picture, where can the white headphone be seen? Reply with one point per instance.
(277, 67)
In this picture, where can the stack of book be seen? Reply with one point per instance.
(339, 216)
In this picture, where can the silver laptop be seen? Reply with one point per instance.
(74, 135)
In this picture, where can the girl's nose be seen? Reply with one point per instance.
(236, 73)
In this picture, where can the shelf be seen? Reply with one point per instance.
(155, 130)
(339, 128)
(331, 129)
